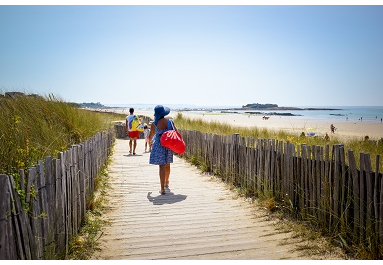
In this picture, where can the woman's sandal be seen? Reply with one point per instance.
(162, 192)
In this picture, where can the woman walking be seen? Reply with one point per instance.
(160, 155)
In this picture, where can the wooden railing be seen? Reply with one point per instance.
(313, 182)
(56, 193)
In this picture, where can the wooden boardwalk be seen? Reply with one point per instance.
(198, 218)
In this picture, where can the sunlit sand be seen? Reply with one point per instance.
(297, 125)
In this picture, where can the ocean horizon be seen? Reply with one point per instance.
(335, 113)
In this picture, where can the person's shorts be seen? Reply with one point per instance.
(134, 134)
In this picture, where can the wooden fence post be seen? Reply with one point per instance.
(8, 248)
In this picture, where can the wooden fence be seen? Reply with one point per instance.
(57, 192)
(314, 182)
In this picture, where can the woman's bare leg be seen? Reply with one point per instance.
(167, 174)
(162, 177)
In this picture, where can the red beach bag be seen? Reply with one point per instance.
(172, 139)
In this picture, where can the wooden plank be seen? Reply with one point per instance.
(318, 182)
(322, 181)
(292, 181)
(23, 223)
(376, 198)
(336, 188)
(342, 190)
(59, 207)
(304, 181)
(370, 195)
(22, 179)
(15, 218)
(349, 200)
(309, 182)
(82, 181)
(43, 201)
(330, 189)
(75, 195)
(381, 210)
(259, 169)
(66, 185)
(363, 196)
(8, 248)
(354, 176)
(267, 185)
(279, 169)
(285, 175)
(326, 181)
(86, 169)
(51, 203)
(35, 212)
(273, 167)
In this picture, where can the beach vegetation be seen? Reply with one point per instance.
(282, 207)
(33, 127)
(357, 145)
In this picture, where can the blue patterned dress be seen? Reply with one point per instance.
(160, 155)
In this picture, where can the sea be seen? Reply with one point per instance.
(328, 113)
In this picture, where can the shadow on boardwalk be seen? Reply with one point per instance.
(198, 217)
(168, 198)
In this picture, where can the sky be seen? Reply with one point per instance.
(195, 55)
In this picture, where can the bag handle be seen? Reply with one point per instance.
(172, 124)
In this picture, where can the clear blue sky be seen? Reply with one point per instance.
(196, 55)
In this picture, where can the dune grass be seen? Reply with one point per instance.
(308, 229)
(33, 127)
(365, 146)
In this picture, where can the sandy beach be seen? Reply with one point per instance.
(296, 125)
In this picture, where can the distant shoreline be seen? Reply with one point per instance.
(296, 125)
(254, 109)
(258, 111)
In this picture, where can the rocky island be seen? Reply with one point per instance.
(268, 106)
(257, 108)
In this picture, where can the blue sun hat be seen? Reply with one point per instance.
(160, 111)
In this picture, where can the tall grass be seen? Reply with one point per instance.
(358, 146)
(33, 127)
(283, 209)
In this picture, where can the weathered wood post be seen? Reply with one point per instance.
(7, 244)
(235, 158)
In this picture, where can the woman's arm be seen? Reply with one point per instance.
(152, 132)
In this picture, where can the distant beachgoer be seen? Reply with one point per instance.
(160, 155)
(146, 136)
(332, 128)
(326, 137)
(132, 133)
